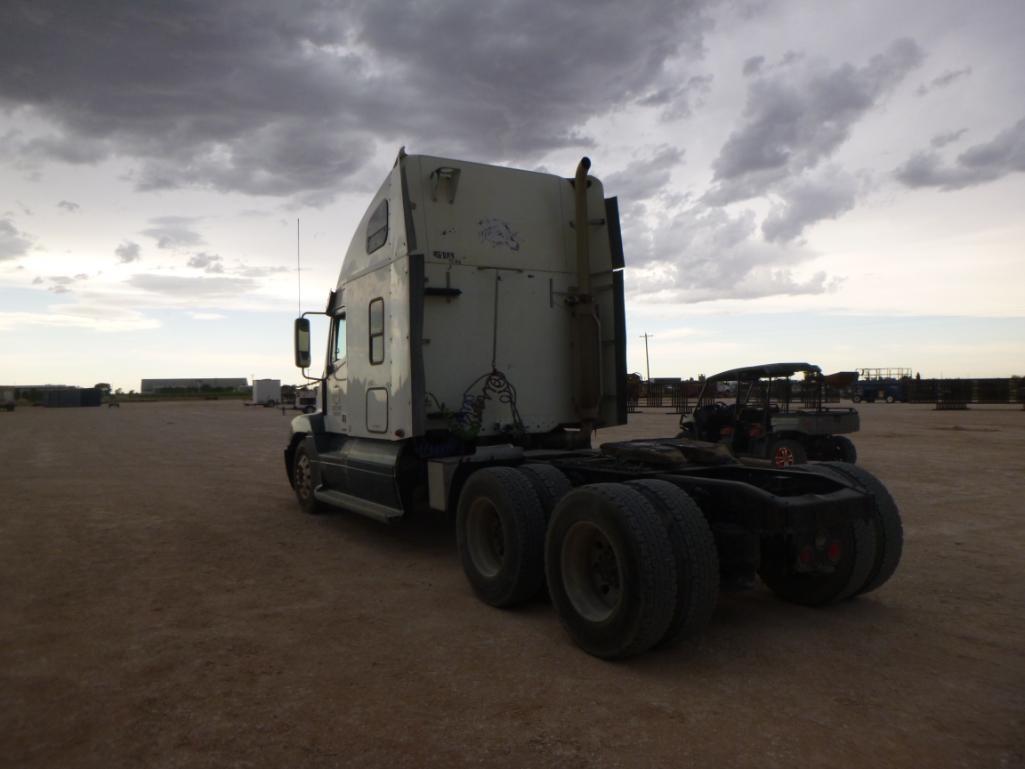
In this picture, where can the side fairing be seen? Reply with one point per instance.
(374, 287)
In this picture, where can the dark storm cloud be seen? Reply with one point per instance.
(792, 121)
(980, 163)
(128, 252)
(644, 178)
(809, 200)
(275, 99)
(69, 206)
(943, 80)
(173, 285)
(753, 65)
(710, 254)
(679, 100)
(173, 232)
(942, 140)
(13, 242)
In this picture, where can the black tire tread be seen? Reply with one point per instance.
(528, 522)
(550, 484)
(310, 506)
(655, 567)
(695, 556)
(845, 449)
(889, 529)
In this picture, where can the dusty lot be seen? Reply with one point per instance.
(164, 603)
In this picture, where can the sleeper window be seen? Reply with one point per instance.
(377, 331)
(377, 228)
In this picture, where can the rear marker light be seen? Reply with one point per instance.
(834, 551)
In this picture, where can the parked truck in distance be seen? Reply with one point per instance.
(881, 384)
(7, 400)
(476, 340)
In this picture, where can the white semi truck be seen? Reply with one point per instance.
(477, 340)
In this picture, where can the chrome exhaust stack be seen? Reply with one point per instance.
(586, 327)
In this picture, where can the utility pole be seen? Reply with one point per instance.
(647, 363)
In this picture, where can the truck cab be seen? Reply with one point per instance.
(477, 340)
(458, 323)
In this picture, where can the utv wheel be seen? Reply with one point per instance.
(302, 481)
(550, 484)
(500, 527)
(845, 450)
(886, 522)
(780, 570)
(786, 451)
(694, 554)
(610, 570)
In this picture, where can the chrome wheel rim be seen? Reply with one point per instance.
(304, 477)
(784, 456)
(591, 574)
(485, 539)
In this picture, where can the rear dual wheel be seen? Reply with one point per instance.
(869, 550)
(500, 528)
(628, 566)
(610, 570)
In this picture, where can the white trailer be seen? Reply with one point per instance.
(266, 392)
(477, 339)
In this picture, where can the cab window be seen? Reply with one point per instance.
(338, 351)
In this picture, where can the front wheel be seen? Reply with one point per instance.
(303, 482)
(610, 569)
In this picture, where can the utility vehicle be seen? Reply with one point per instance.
(762, 420)
(477, 340)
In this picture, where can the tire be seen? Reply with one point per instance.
(845, 449)
(890, 399)
(302, 481)
(500, 528)
(694, 555)
(855, 399)
(857, 540)
(610, 569)
(784, 452)
(550, 484)
(886, 522)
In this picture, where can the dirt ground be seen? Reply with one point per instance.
(165, 604)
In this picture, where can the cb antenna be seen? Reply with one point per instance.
(298, 268)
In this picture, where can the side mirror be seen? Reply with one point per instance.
(302, 342)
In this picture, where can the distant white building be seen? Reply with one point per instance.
(154, 386)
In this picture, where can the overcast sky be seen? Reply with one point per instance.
(838, 182)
